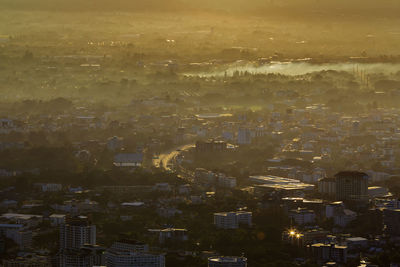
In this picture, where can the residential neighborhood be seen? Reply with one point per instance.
(187, 133)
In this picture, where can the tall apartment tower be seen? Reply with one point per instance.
(131, 253)
(76, 232)
(244, 136)
(351, 186)
(86, 256)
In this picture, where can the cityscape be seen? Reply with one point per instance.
(190, 133)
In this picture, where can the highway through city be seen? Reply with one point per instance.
(166, 160)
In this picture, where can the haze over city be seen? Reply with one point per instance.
(199, 133)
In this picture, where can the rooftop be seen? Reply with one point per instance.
(227, 259)
(131, 242)
(356, 239)
(20, 216)
(128, 158)
(352, 174)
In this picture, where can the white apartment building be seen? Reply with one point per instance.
(77, 232)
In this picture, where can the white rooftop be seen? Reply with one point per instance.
(227, 259)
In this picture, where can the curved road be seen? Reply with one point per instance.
(164, 160)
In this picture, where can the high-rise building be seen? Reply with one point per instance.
(391, 221)
(131, 253)
(351, 186)
(244, 136)
(86, 256)
(227, 262)
(76, 232)
(211, 146)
